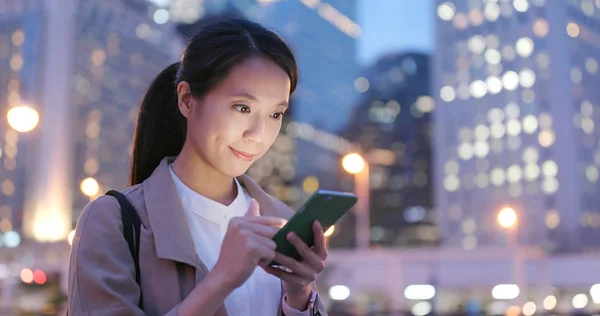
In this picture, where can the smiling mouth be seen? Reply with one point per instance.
(242, 155)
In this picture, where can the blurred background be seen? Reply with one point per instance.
(466, 127)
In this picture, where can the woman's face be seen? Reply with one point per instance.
(236, 122)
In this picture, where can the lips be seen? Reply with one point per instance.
(242, 155)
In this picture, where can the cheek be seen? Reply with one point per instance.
(272, 133)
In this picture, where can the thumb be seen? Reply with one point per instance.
(253, 210)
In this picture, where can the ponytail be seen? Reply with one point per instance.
(161, 127)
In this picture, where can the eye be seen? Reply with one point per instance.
(242, 108)
(277, 115)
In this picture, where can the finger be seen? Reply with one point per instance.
(267, 220)
(262, 252)
(302, 269)
(307, 254)
(285, 276)
(262, 230)
(320, 246)
(253, 209)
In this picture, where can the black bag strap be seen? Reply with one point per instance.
(131, 231)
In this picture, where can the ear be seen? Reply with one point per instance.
(184, 99)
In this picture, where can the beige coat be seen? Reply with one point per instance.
(102, 272)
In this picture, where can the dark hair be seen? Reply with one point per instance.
(206, 61)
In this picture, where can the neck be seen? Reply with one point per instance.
(197, 175)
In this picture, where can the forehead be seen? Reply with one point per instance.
(257, 76)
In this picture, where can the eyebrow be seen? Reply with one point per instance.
(253, 98)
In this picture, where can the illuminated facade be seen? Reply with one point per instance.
(392, 127)
(20, 37)
(86, 76)
(516, 122)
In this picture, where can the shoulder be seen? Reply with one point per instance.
(104, 213)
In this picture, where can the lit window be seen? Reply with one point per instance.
(527, 78)
(447, 94)
(545, 120)
(540, 27)
(476, 17)
(530, 155)
(18, 37)
(546, 138)
(477, 44)
(451, 183)
(495, 115)
(531, 172)
(469, 243)
(361, 84)
(515, 190)
(493, 56)
(451, 167)
(573, 29)
(513, 127)
(576, 75)
(587, 6)
(446, 11)
(521, 5)
(591, 65)
(482, 132)
(550, 185)
(497, 177)
(524, 47)
(550, 168)
(497, 130)
(478, 89)
(512, 110)
(481, 149)
(587, 125)
(494, 85)
(510, 80)
(492, 11)
(508, 53)
(543, 60)
(460, 21)
(530, 124)
(591, 172)
(552, 221)
(481, 180)
(465, 151)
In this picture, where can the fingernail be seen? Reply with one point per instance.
(290, 236)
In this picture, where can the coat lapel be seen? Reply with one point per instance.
(168, 222)
(172, 237)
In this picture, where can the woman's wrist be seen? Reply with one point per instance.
(299, 300)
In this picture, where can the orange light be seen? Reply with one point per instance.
(353, 163)
(39, 277)
(507, 217)
(26, 275)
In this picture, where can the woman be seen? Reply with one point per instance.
(205, 240)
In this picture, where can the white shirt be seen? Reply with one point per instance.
(260, 295)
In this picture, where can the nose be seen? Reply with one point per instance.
(256, 130)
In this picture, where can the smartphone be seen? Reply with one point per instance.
(327, 207)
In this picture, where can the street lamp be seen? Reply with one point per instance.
(23, 118)
(509, 221)
(355, 164)
(507, 217)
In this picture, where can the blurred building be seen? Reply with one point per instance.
(392, 127)
(323, 39)
(517, 121)
(84, 66)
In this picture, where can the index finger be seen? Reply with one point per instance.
(267, 220)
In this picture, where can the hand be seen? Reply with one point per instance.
(304, 272)
(247, 244)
